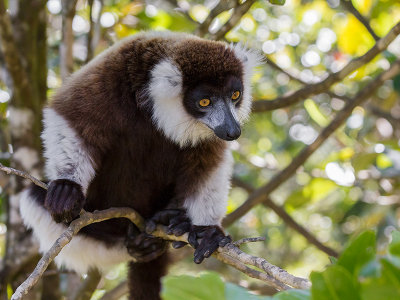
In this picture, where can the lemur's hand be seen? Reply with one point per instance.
(177, 221)
(211, 237)
(142, 246)
(64, 200)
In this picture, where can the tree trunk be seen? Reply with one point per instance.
(28, 38)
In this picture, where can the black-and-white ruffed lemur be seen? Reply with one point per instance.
(144, 125)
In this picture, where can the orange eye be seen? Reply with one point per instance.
(204, 102)
(235, 95)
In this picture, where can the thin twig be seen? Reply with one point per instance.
(348, 5)
(182, 11)
(238, 12)
(320, 87)
(222, 6)
(75, 226)
(243, 259)
(261, 194)
(36, 181)
(282, 213)
(249, 240)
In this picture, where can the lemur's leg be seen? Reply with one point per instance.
(145, 278)
(142, 246)
(69, 166)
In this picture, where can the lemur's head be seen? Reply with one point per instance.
(202, 91)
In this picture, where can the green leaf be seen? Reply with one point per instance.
(207, 286)
(235, 292)
(277, 2)
(333, 260)
(386, 286)
(394, 247)
(363, 161)
(293, 295)
(335, 283)
(396, 84)
(358, 253)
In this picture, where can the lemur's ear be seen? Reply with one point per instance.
(249, 57)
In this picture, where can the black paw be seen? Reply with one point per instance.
(142, 246)
(176, 219)
(64, 200)
(211, 237)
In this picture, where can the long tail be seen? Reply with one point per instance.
(145, 278)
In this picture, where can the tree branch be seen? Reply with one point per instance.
(317, 88)
(282, 213)
(222, 6)
(66, 54)
(238, 13)
(348, 5)
(88, 286)
(261, 194)
(89, 40)
(25, 175)
(181, 10)
(117, 292)
(230, 254)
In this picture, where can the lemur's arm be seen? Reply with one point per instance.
(69, 167)
(202, 212)
(207, 207)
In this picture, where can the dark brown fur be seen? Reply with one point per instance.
(136, 165)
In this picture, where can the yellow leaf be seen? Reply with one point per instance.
(363, 6)
(386, 20)
(315, 113)
(132, 8)
(383, 161)
(121, 30)
(353, 38)
(346, 153)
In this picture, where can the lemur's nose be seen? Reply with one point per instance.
(233, 133)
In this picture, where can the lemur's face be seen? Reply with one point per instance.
(203, 93)
(217, 106)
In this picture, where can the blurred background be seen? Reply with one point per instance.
(333, 185)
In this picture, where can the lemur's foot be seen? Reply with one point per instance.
(177, 221)
(206, 240)
(64, 200)
(142, 246)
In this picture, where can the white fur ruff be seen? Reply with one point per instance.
(66, 157)
(208, 205)
(250, 59)
(82, 253)
(168, 112)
